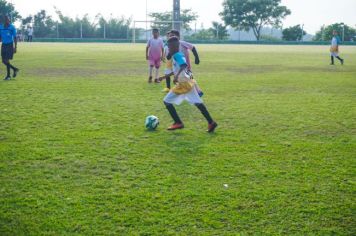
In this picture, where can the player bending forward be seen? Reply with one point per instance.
(183, 89)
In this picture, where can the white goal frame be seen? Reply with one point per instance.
(149, 21)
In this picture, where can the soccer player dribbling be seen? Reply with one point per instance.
(154, 54)
(8, 46)
(184, 89)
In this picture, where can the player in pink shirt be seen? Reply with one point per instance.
(154, 53)
(184, 47)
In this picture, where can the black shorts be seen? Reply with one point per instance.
(7, 51)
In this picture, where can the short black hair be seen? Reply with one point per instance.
(155, 30)
(173, 40)
(175, 32)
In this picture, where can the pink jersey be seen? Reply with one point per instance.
(184, 47)
(155, 48)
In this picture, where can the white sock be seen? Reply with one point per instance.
(151, 71)
(157, 73)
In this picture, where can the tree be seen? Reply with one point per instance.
(187, 16)
(43, 24)
(253, 14)
(115, 28)
(326, 32)
(219, 31)
(9, 10)
(293, 33)
(203, 34)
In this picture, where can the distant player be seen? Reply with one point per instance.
(334, 49)
(169, 66)
(9, 46)
(29, 34)
(184, 47)
(183, 89)
(154, 53)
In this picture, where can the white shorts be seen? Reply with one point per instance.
(192, 97)
(168, 71)
(334, 54)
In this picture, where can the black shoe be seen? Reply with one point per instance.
(211, 127)
(332, 64)
(15, 73)
(150, 79)
(342, 61)
(7, 78)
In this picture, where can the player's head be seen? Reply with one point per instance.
(173, 45)
(155, 33)
(335, 32)
(7, 19)
(174, 33)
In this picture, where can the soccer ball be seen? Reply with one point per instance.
(151, 122)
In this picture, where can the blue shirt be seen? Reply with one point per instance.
(180, 61)
(7, 34)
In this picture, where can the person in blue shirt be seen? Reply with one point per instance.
(334, 49)
(9, 46)
(184, 89)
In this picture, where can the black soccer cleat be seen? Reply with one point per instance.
(212, 127)
(15, 73)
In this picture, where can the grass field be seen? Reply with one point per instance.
(75, 157)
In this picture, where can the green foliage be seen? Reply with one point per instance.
(253, 14)
(293, 33)
(8, 9)
(43, 23)
(219, 31)
(203, 34)
(46, 27)
(76, 159)
(326, 32)
(115, 28)
(270, 38)
(187, 16)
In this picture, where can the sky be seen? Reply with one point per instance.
(312, 13)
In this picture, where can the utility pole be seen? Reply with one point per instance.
(57, 31)
(81, 30)
(343, 32)
(176, 14)
(302, 32)
(104, 30)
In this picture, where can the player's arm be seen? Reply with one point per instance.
(196, 55)
(147, 48)
(181, 69)
(15, 39)
(165, 76)
(162, 55)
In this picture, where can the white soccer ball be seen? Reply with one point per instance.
(151, 122)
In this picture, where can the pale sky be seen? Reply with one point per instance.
(311, 13)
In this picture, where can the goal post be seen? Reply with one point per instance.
(161, 25)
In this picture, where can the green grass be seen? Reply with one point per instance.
(75, 158)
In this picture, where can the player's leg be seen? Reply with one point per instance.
(150, 73)
(168, 71)
(8, 67)
(157, 74)
(332, 60)
(178, 124)
(211, 123)
(340, 59)
(168, 102)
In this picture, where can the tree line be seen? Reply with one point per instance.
(240, 15)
